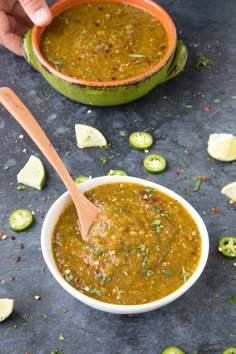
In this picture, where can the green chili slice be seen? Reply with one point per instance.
(154, 163)
(231, 350)
(172, 350)
(140, 140)
(20, 219)
(227, 246)
(81, 179)
(116, 173)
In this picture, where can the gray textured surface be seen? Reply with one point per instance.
(202, 321)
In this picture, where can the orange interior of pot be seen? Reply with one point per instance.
(147, 5)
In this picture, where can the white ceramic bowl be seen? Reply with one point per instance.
(57, 209)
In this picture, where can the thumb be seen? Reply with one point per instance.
(38, 11)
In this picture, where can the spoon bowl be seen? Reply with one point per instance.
(87, 211)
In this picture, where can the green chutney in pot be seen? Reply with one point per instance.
(104, 41)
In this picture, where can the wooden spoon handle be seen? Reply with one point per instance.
(21, 113)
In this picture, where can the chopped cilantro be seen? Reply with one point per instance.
(142, 247)
(157, 210)
(68, 276)
(147, 271)
(44, 316)
(167, 271)
(230, 299)
(61, 337)
(197, 184)
(157, 224)
(202, 62)
(167, 214)
(103, 159)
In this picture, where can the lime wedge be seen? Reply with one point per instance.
(222, 147)
(88, 136)
(33, 173)
(6, 308)
(230, 191)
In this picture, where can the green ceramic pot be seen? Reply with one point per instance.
(108, 93)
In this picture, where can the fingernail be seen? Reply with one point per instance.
(41, 16)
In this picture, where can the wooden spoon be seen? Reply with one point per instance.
(87, 211)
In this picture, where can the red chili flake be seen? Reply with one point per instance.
(203, 178)
(1, 233)
(177, 173)
(164, 265)
(200, 136)
(18, 259)
(216, 210)
(12, 278)
(22, 246)
(209, 158)
(198, 93)
(118, 187)
(13, 238)
(157, 200)
(37, 211)
(44, 199)
(148, 61)
(144, 194)
(20, 197)
(207, 109)
(148, 179)
(188, 237)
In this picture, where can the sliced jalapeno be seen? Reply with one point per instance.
(227, 246)
(172, 350)
(116, 173)
(154, 163)
(140, 140)
(231, 350)
(81, 179)
(20, 219)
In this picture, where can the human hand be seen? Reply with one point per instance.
(16, 17)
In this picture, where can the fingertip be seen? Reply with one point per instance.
(42, 17)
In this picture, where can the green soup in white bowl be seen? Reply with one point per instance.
(147, 248)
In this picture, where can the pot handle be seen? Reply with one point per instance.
(28, 52)
(179, 60)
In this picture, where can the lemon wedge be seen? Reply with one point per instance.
(88, 136)
(6, 308)
(230, 191)
(33, 173)
(222, 147)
